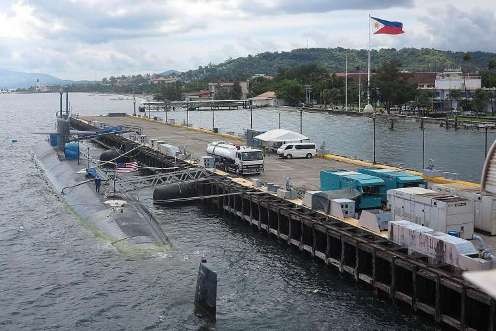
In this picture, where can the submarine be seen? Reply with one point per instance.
(117, 217)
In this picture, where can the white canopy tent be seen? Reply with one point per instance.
(281, 136)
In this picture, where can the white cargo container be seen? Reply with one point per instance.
(170, 150)
(343, 208)
(439, 247)
(484, 205)
(438, 211)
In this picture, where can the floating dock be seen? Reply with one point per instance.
(437, 291)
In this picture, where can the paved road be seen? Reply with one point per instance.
(303, 172)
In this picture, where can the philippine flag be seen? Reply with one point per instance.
(386, 27)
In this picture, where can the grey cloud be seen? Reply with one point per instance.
(317, 6)
(110, 20)
(453, 29)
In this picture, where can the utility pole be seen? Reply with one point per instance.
(279, 113)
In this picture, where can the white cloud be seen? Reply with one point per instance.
(81, 39)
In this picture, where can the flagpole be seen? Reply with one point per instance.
(346, 83)
(368, 70)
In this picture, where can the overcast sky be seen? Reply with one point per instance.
(90, 39)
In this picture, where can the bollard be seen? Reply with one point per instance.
(206, 292)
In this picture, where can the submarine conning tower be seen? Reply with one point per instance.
(63, 122)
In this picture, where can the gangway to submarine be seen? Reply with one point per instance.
(134, 183)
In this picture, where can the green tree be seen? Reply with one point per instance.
(260, 85)
(393, 87)
(291, 91)
(480, 101)
(423, 100)
(171, 92)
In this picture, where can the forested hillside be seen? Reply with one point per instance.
(334, 59)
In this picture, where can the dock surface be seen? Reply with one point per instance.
(304, 173)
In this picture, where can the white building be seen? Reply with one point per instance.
(454, 80)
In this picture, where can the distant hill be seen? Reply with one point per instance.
(170, 72)
(412, 59)
(14, 79)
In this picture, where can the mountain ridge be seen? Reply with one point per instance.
(411, 59)
(10, 79)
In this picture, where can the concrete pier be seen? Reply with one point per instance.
(437, 291)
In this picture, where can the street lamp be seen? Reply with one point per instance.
(251, 114)
(422, 127)
(301, 121)
(373, 121)
(134, 104)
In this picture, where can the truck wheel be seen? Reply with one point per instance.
(309, 155)
(289, 156)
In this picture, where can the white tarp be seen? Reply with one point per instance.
(281, 135)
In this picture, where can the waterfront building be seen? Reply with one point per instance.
(266, 99)
(215, 88)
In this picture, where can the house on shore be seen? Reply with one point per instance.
(266, 99)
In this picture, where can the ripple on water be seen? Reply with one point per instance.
(56, 274)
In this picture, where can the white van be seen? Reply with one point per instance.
(292, 150)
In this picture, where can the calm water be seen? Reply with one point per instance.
(55, 274)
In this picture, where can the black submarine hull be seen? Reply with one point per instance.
(123, 221)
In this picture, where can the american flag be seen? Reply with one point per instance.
(126, 167)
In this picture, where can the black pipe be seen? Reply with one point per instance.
(67, 103)
(61, 102)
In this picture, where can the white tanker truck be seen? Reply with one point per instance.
(242, 160)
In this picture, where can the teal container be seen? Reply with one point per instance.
(71, 151)
(394, 179)
(371, 187)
